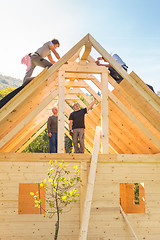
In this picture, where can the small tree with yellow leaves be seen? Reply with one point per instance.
(61, 191)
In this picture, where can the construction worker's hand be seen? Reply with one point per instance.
(98, 63)
(49, 134)
(71, 133)
(99, 58)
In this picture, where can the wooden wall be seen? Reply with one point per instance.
(106, 221)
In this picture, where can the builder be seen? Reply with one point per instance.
(76, 122)
(52, 130)
(37, 58)
(113, 72)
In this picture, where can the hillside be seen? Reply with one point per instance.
(6, 81)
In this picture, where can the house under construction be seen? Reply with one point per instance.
(122, 147)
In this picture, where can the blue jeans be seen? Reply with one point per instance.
(53, 143)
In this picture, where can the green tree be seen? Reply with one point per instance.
(41, 144)
(136, 193)
(61, 191)
(4, 92)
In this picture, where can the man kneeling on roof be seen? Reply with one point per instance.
(37, 58)
(113, 72)
(32, 60)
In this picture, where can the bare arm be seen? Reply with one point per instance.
(70, 124)
(105, 65)
(91, 105)
(99, 64)
(54, 52)
(51, 59)
(101, 58)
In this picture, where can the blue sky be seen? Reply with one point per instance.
(129, 28)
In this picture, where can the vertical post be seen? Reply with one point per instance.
(61, 110)
(83, 187)
(104, 113)
(90, 187)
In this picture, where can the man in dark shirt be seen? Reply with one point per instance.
(52, 130)
(76, 122)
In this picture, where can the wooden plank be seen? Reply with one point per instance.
(83, 68)
(104, 113)
(139, 102)
(151, 159)
(125, 217)
(83, 187)
(27, 105)
(28, 118)
(30, 103)
(61, 108)
(138, 114)
(22, 136)
(90, 186)
(76, 84)
(145, 87)
(79, 76)
(14, 102)
(135, 120)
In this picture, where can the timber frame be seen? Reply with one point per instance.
(129, 115)
(122, 130)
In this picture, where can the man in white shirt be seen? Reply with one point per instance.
(37, 58)
(113, 72)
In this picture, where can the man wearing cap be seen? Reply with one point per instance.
(113, 72)
(76, 123)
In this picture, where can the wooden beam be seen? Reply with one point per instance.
(27, 105)
(75, 84)
(90, 186)
(28, 118)
(88, 48)
(83, 187)
(144, 86)
(104, 113)
(127, 93)
(32, 138)
(61, 109)
(83, 68)
(126, 219)
(79, 76)
(134, 119)
(24, 93)
(33, 126)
